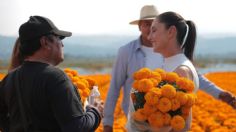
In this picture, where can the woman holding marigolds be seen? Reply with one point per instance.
(161, 99)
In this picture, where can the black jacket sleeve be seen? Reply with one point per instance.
(86, 123)
(4, 118)
(67, 106)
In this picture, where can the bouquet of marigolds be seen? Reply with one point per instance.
(161, 99)
(84, 85)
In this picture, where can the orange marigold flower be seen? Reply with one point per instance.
(168, 91)
(230, 122)
(171, 77)
(145, 85)
(75, 79)
(67, 70)
(182, 83)
(135, 84)
(152, 96)
(69, 75)
(2, 76)
(142, 73)
(191, 86)
(91, 82)
(181, 97)
(136, 75)
(161, 72)
(166, 118)
(86, 92)
(74, 72)
(80, 91)
(154, 81)
(191, 99)
(156, 119)
(164, 105)
(80, 85)
(218, 128)
(185, 110)
(185, 84)
(177, 122)
(175, 104)
(85, 82)
(139, 115)
(156, 76)
(149, 109)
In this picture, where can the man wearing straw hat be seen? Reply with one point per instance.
(135, 55)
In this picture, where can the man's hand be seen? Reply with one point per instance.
(228, 98)
(99, 105)
(233, 102)
(107, 129)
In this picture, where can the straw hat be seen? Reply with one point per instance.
(148, 12)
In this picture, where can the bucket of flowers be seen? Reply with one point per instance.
(161, 100)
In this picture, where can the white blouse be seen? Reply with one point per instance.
(173, 62)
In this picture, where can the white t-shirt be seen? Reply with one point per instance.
(153, 60)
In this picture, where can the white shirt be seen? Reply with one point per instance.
(173, 62)
(153, 60)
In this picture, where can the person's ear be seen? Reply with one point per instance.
(172, 32)
(44, 43)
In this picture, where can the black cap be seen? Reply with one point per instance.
(38, 26)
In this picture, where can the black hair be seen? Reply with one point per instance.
(29, 47)
(174, 19)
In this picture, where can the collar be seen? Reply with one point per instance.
(138, 44)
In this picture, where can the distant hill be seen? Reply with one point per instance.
(95, 46)
(108, 45)
(6, 46)
(224, 47)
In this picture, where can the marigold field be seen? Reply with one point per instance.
(209, 114)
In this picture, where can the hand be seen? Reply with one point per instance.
(99, 105)
(107, 129)
(233, 102)
(228, 98)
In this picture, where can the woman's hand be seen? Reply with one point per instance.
(107, 129)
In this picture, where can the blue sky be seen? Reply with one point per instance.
(112, 16)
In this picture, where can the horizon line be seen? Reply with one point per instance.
(205, 35)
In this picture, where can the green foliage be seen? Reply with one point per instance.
(176, 112)
(162, 83)
(88, 63)
(140, 101)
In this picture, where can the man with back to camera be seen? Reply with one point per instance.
(37, 96)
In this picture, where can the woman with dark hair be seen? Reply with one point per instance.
(174, 37)
(16, 57)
